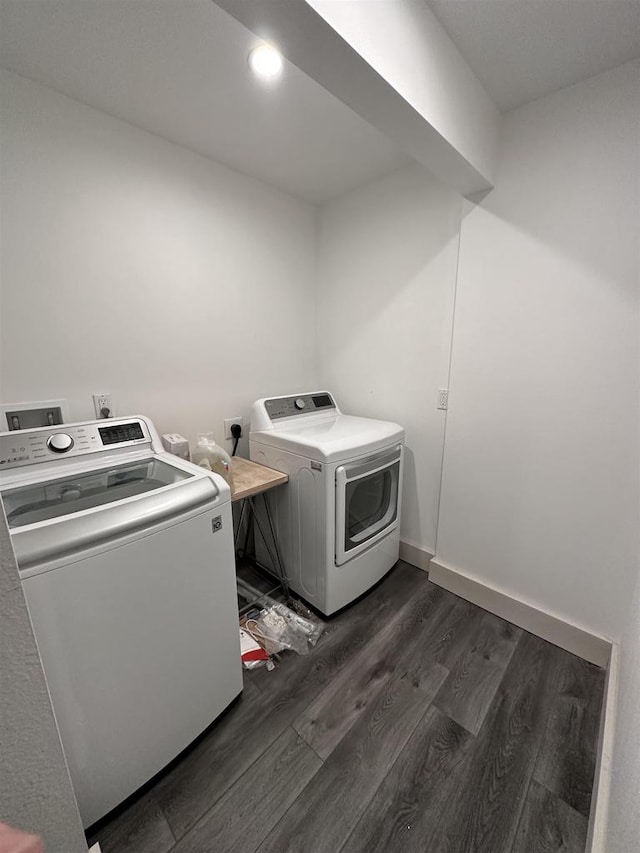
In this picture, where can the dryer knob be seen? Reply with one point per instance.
(300, 403)
(60, 442)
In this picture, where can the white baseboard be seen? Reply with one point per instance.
(553, 628)
(415, 555)
(95, 848)
(598, 818)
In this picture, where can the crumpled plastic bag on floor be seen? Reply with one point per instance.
(277, 628)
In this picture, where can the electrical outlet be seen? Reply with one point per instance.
(228, 422)
(102, 402)
(443, 398)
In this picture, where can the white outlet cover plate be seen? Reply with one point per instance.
(102, 401)
(228, 422)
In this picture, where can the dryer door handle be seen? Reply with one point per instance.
(370, 466)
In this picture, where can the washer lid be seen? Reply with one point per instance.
(49, 500)
(331, 439)
(52, 517)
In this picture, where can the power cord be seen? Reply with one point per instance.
(236, 432)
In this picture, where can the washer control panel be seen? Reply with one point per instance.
(302, 404)
(44, 444)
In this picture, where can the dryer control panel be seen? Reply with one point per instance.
(301, 404)
(30, 446)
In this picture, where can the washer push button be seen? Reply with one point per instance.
(60, 442)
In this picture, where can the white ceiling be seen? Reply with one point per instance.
(523, 49)
(178, 68)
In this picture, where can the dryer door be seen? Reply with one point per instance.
(367, 508)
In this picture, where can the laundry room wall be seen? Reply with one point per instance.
(386, 280)
(136, 267)
(540, 480)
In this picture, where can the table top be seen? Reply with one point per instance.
(250, 478)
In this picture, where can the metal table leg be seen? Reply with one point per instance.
(274, 553)
(236, 535)
(281, 570)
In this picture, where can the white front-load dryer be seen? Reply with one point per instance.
(338, 519)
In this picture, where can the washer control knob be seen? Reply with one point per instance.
(59, 442)
(300, 403)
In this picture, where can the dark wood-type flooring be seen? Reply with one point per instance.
(418, 723)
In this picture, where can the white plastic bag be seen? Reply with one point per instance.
(277, 628)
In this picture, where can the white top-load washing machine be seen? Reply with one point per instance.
(338, 520)
(127, 562)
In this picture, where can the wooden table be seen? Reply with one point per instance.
(251, 480)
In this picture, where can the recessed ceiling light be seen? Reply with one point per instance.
(265, 62)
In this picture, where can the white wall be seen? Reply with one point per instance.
(623, 830)
(540, 482)
(386, 277)
(35, 788)
(132, 266)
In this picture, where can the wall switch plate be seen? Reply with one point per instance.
(443, 398)
(228, 423)
(102, 404)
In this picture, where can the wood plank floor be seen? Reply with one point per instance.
(418, 723)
